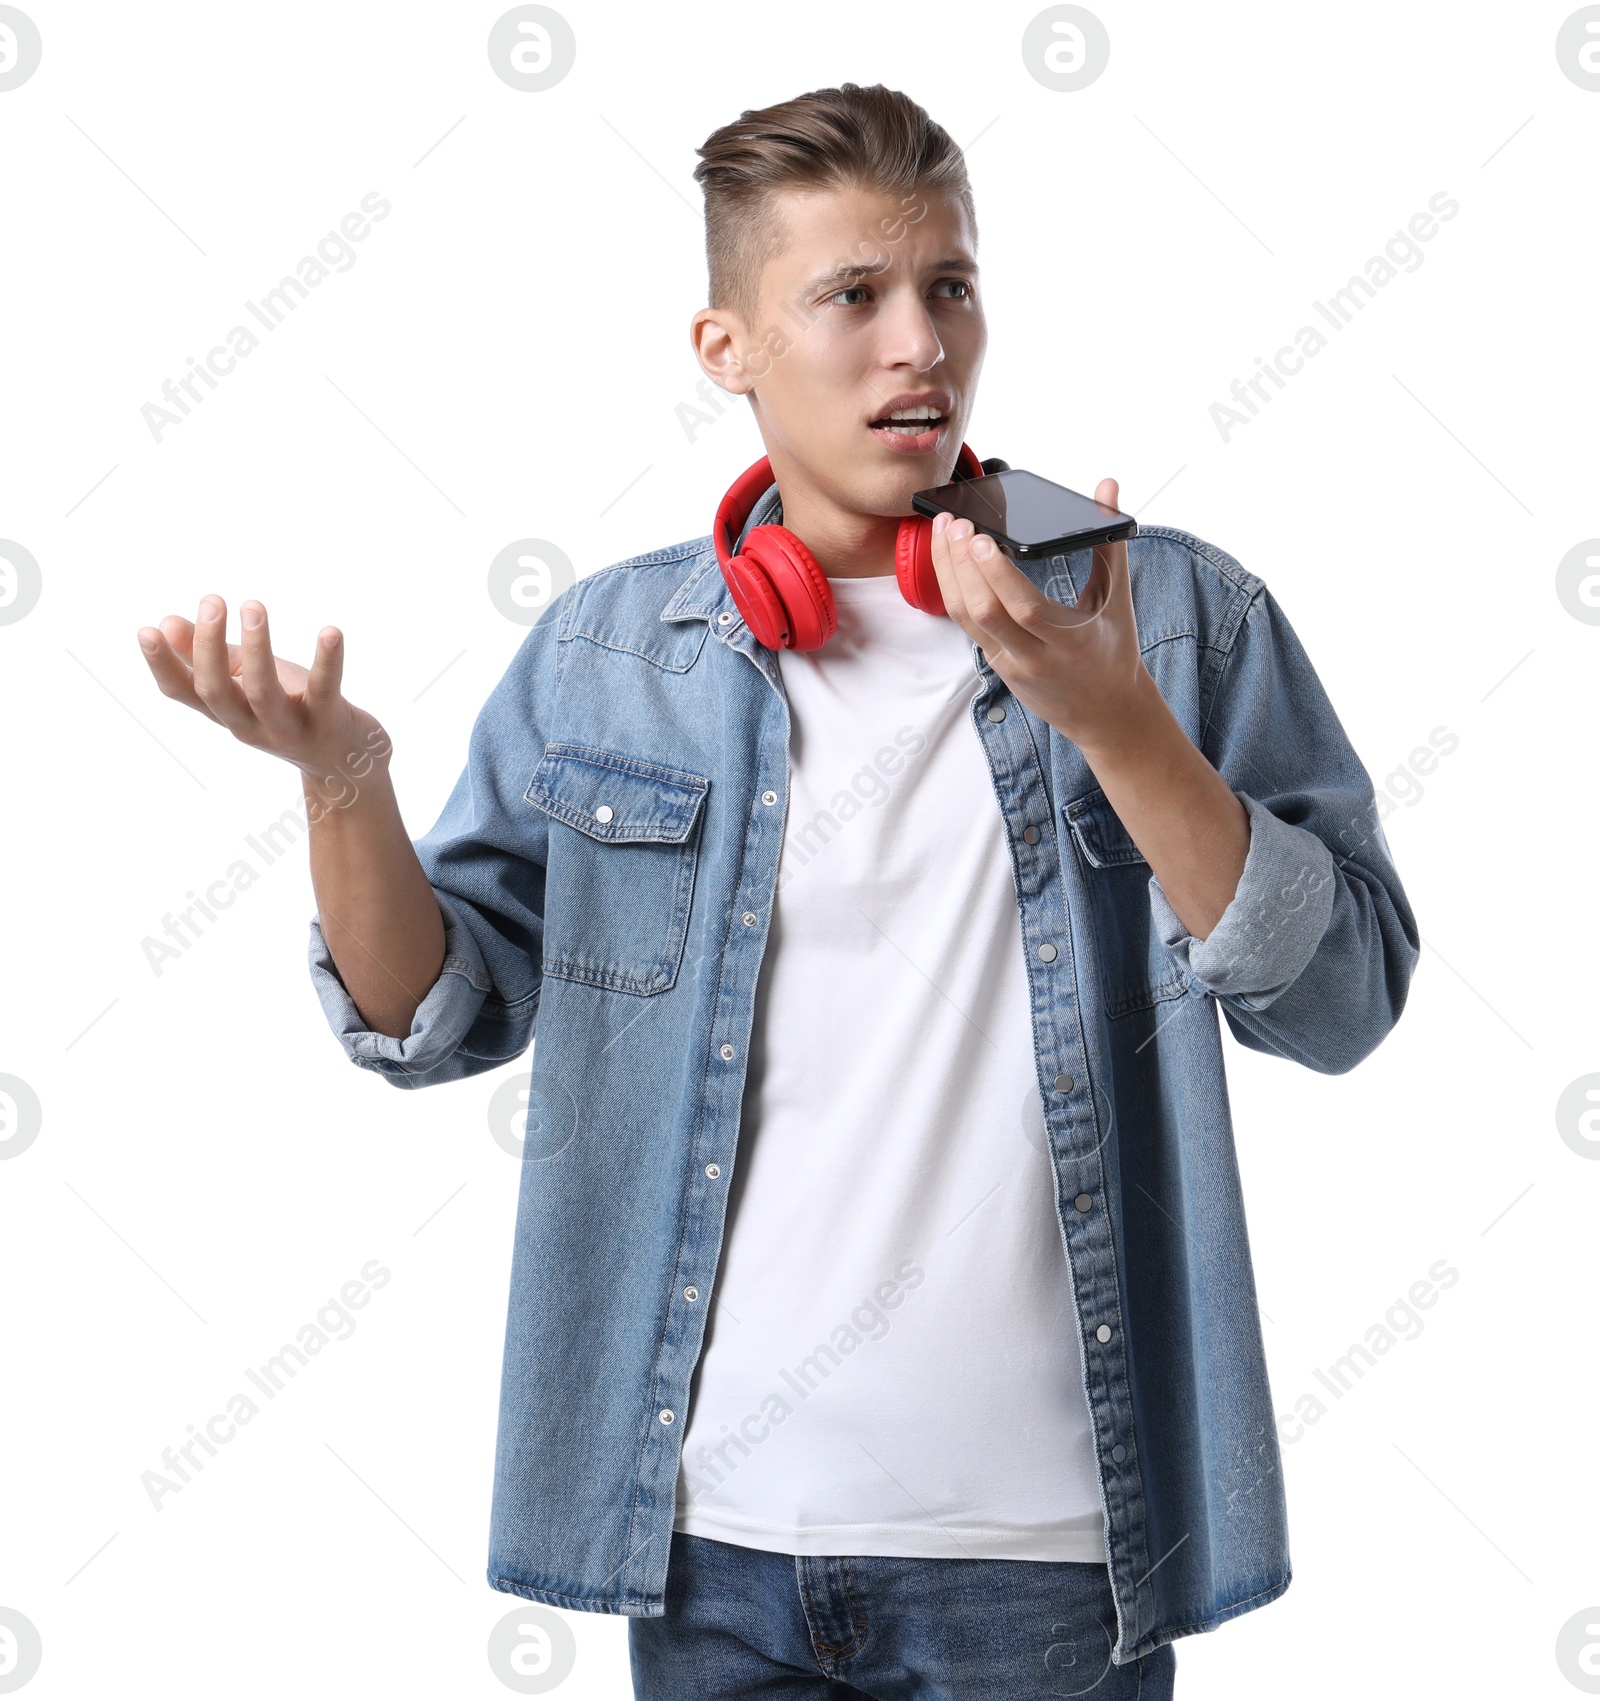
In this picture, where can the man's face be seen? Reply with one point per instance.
(872, 298)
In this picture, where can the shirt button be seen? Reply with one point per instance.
(1030, 835)
(725, 1052)
(1083, 1201)
(713, 1170)
(1047, 953)
(1103, 1333)
(769, 797)
(749, 918)
(1063, 1083)
(998, 712)
(691, 1294)
(603, 813)
(666, 1415)
(1119, 1453)
(724, 619)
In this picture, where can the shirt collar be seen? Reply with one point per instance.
(704, 593)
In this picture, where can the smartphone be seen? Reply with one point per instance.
(1032, 517)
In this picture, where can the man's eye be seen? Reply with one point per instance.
(961, 284)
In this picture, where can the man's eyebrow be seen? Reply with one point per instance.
(844, 274)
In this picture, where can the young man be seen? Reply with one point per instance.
(882, 1319)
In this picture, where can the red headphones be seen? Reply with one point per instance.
(778, 587)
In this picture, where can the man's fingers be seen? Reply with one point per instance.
(171, 671)
(1108, 564)
(993, 590)
(1099, 586)
(1021, 613)
(214, 683)
(258, 669)
(945, 569)
(1109, 579)
(180, 634)
(327, 669)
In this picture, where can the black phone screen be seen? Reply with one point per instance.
(1026, 510)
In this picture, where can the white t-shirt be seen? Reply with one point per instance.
(892, 1363)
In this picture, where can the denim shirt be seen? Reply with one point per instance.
(605, 868)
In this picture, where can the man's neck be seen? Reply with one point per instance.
(846, 545)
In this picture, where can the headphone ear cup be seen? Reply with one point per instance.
(792, 590)
(756, 600)
(913, 565)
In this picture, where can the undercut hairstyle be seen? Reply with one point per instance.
(845, 138)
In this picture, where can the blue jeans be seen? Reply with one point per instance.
(742, 1622)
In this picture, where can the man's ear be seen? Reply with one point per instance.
(716, 335)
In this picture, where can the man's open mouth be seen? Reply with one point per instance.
(910, 422)
(913, 414)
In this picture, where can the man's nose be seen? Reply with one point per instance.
(909, 336)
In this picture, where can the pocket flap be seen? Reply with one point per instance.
(617, 799)
(1101, 836)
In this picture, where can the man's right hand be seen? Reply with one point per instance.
(379, 916)
(264, 701)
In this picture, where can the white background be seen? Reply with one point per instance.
(503, 359)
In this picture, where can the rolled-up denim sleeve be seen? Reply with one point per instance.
(1274, 922)
(485, 859)
(443, 1019)
(1313, 957)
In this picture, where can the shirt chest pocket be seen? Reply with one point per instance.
(620, 872)
(1136, 968)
